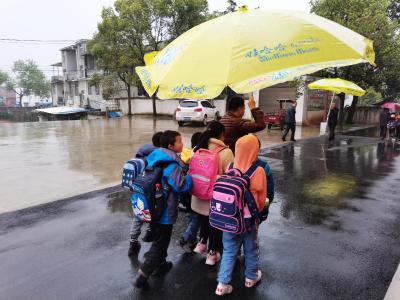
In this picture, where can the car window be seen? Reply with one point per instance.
(206, 104)
(188, 104)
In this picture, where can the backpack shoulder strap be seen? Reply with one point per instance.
(218, 149)
(251, 170)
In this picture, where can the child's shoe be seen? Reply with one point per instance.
(223, 289)
(249, 283)
(212, 258)
(141, 282)
(163, 269)
(200, 248)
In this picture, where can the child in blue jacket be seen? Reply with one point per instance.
(136, 227)
(175, 182)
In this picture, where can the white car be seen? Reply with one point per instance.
(196, 111)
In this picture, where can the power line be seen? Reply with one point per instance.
(35, 41)
(32, 40)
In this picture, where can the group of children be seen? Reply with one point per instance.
(177, 185)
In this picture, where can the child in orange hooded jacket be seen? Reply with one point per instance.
(247, 149)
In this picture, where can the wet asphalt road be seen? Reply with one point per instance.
(333, 233)
(68, 158)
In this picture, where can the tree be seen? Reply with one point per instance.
(135, 27)
(232, 5)
(27, 80)
(371, 19)
(371, 97)
(3, 77)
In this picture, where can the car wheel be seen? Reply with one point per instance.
(205, 120)
(217, 116)
(269, 126)
(180, 124)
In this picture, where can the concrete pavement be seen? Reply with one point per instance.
(332, 234)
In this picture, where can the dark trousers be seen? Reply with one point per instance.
(213, 235)
(331, 131)
(157, 253)
(383, 132)
(289, 126)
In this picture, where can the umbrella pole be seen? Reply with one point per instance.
(330, 105)
(323, 131)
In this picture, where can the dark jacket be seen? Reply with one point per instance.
(333, 117)
(290, 116)
(384, 118)
(236, 127)
(270, 178)
(173, 179)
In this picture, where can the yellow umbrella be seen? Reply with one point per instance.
(337, 86)
(249, 50)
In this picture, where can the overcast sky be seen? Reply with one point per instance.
(71, 20)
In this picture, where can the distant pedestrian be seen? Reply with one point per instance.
(384, 118)
(290, 122)
(236, 126)
(332, 121)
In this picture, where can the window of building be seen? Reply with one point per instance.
(97, 89)
(76, 89)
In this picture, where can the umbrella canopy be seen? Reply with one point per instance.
(249, 50)
(337, 86)
(391, 106)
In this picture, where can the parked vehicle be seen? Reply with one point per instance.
(277, 118)
(189, 111)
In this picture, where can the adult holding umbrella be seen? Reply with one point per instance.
(337, 86)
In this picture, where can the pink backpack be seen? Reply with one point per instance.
(203, 168)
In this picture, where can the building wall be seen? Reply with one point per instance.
(69, 61)
(57, 89)
(366, 115)
(8, 98)
(167, 107)
(268, 96)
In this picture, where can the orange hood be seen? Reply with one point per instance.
(247, 148)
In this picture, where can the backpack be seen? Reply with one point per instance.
(232, 202)
(270, 178)
(149, 197)
(132, 168)
(203, 168)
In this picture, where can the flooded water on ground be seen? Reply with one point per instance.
(42, 162)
